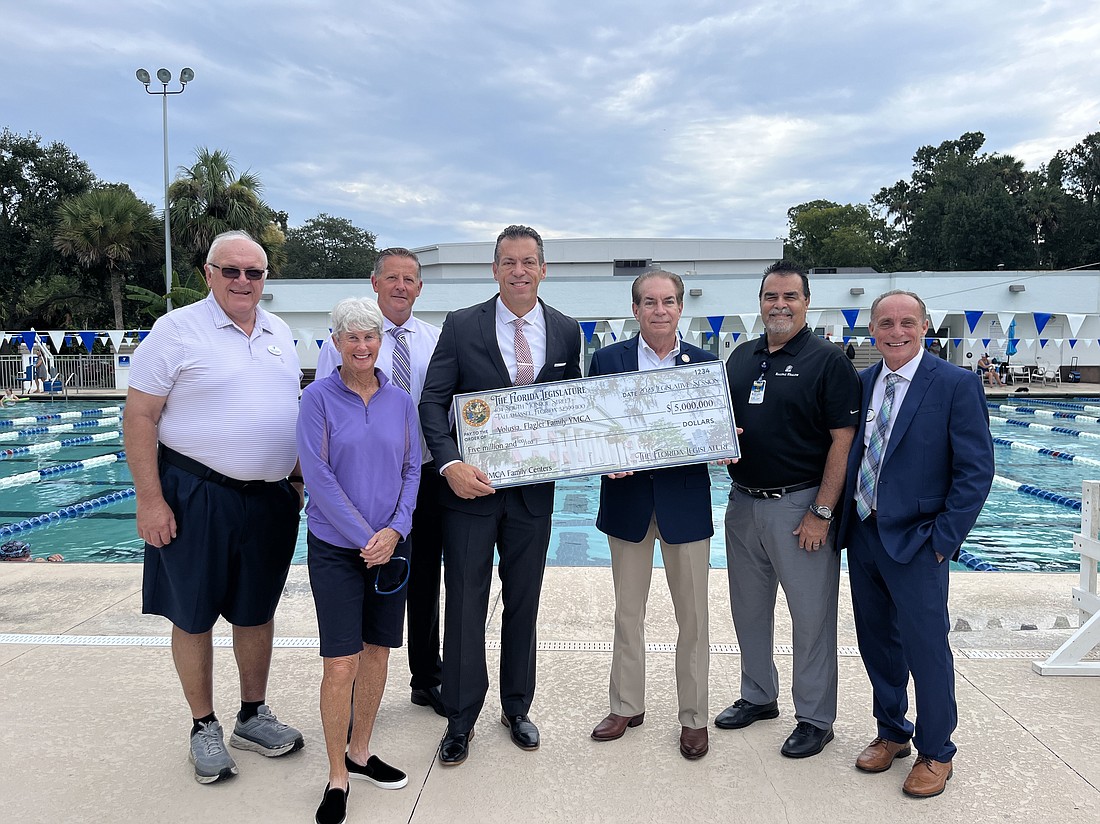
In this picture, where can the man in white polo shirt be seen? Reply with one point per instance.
(209, 426)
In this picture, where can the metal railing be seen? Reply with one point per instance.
(77, 372)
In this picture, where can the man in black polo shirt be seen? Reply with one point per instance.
(797, 398)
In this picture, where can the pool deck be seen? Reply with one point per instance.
(96, 726)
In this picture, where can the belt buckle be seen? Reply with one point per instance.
(774, 496)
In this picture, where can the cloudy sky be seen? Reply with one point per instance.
(443, 120)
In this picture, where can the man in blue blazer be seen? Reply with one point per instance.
(512, 339)
(672, 506)
(918, 475)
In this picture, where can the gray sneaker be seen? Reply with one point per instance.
(208, 753)
(265, 734)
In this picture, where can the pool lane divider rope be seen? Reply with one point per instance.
(1044, 494)
(1042, 450)
(1080, 407)
(53, 446)
(36, 475)
(1043, 413)
(57, 416)
(60, 427)
(78, 510)
(1061, 430)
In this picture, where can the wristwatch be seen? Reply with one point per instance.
(822, 512)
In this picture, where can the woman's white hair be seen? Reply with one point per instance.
(359, 314)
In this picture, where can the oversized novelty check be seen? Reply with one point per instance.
(592, 426)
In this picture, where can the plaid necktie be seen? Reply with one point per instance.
(525, 369)
(872, 457)
(402, 373)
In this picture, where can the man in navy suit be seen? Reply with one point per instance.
(671, 505)
(918, 475)
(512, 339)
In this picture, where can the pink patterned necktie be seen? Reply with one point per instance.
(525, 369)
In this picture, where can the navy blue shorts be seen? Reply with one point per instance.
(349, 611)
(230, 556)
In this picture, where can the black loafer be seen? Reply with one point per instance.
(525, 735)
(454, 748)
(742, 713)
(806, 740)
(429, 698)
(334, 807)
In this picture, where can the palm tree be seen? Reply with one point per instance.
(105, 229)
(209, 198)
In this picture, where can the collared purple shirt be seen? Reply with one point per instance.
(361, 462)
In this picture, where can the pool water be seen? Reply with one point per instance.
(1014, 531)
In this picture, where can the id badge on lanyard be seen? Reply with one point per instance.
(756, 394)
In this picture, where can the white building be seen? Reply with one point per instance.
(1057, 314)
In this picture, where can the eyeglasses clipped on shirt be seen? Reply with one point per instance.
(232, 272)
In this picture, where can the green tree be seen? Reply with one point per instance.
(107, 229)
(1082, 169)
(823, 233)
(209, 198)
(967, 208)
(34, 180)
(329, 247)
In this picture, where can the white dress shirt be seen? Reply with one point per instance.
(534, 330)
(878, 392)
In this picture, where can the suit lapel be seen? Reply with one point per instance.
(913, 397)
(487, 320)
(629, 354)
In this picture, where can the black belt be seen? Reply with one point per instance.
(193, 467)
(775, 491)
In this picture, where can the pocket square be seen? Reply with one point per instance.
(556, 365)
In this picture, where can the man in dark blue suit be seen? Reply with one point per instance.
(512, 339)
(671, 505)
(918, 475)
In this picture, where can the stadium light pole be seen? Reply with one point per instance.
(165, 77)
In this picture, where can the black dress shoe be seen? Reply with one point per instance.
(454, 748)
(429, 698)
(806, 740)
(742, 713)
(525, 735)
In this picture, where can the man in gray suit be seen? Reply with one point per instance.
(512, 339)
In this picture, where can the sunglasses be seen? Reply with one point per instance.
(232, 272)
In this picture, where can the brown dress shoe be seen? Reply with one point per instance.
(693, 743)
(880, 754)
(927, 778)
(614, 726)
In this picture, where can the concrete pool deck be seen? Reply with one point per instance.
(95, 725)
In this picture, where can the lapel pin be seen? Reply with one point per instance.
(274, 350)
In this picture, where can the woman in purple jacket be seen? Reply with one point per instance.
(360, 456)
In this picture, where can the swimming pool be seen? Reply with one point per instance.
(77, 475)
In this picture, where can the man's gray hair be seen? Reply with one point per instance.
(891, 293)
(639, 282)
(395, 251)
(358, 314)
(232, 234)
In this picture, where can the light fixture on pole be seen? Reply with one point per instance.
(165, 77)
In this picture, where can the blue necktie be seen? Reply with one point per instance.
(402, 372)
(872, 457)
